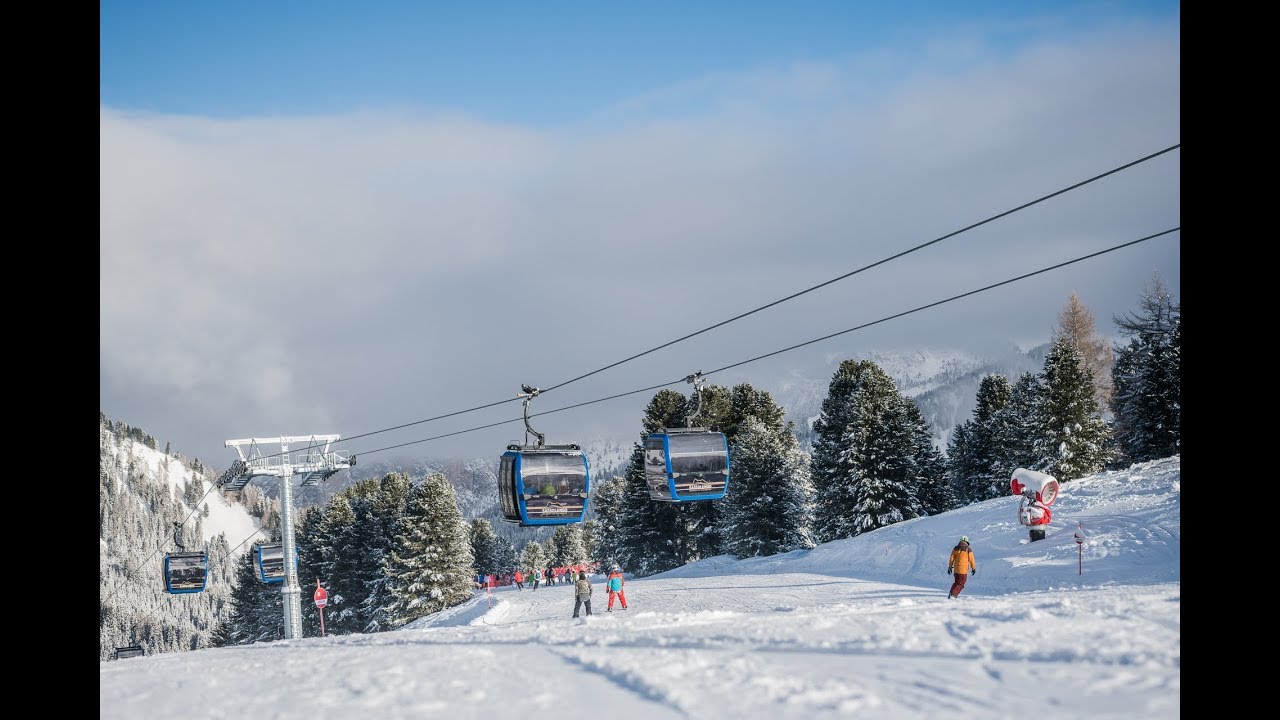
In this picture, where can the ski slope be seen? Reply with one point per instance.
(854, 628)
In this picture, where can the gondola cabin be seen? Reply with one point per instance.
(269, 559)
(185, 572)
(129, 651)
(543, 485)
(686, 465)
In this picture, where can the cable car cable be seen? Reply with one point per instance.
(793, 347)
(792, 296)
(908, 251)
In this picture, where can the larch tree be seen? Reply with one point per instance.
(429, 567)
(1076, 324)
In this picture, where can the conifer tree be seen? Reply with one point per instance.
(569, 547)
(483, 547)
(928, 467)
(870, 468)
(607, 499)
(533, 557)
(429, 567)
(504, 554)
(1018, 429)
(834, 463)
(890, 487)
(972, 451)
(590, 529)
(1076, 435)
(1148, 379)
(768, 510)
(387, 506)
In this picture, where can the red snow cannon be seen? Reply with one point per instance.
(1038, 492)
(1034, 485)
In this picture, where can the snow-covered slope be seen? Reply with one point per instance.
(854, 628)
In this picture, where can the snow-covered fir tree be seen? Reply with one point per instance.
(866, 470)
(569, 549)
(1148, 379)
(971, 454)
(504, 556)
(1018, 429)
(768, 510)
(606, 499)
(483, 547)
(928, 464)
(388, 507)
(590, 528)
(1076, 434)
(533, 557)
(430, 565)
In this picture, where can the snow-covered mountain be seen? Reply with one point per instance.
(142, 492)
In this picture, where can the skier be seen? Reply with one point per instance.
(537, 576)
(615, 585)
(582, 594)
(519, 580)
(960, 566)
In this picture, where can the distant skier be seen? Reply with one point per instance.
(582, 594)
(519, 580)
(960, 566)
(615, 585)
(537, 576)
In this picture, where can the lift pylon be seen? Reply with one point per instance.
(315, 462)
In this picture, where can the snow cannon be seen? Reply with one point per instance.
(1038, 491)
(1035, 485)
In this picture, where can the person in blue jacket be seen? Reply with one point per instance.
(615, 585)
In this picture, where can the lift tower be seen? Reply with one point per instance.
(313, 463)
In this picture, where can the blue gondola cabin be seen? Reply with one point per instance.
(547, 485)
(269, 559)
(686, 465)
(185, 572)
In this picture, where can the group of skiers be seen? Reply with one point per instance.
(960, 565)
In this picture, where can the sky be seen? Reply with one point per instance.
(322, 219)
(859, 627)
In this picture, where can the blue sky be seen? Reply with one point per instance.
(318, 220)
(543, 63)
